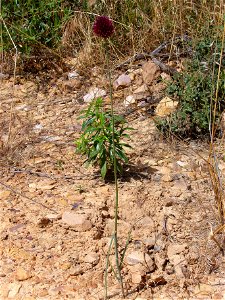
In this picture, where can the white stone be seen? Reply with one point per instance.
(14, 289)
(182, 163)
(72, 75)
(129, 100)
(38, 127)
(93, 94)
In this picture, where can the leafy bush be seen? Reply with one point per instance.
(96, 140)
(195, 89)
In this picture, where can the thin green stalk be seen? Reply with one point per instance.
(115, 174)
(106, 267)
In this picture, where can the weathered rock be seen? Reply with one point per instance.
(132, 75)
(14, 288)
(122, 81)
(160, 260)
(23, 107)
(167, 178)
(136, 277)
(92, 258)
(43, 222)
(4, 194)
(54, 216)
(93, 94)
(150, 72)
(182, 163)
(65, 265)
(146, 222)
(204, 290)
(174, 249)
(129, 100)
(149, 243)
(165, 76)
(78, 221)
(137, 272)
(72, 84)
(165, 107)
(77, 270)
(72, 75)
(22, 274)
(46, 184)
(141, 92)
(138, 257)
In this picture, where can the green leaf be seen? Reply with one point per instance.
(103, 170)
(122, 155)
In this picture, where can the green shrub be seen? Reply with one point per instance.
(195, 89)
(96, 140)
(31, 21)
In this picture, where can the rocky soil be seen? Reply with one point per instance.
(57, 216)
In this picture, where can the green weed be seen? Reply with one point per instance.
(96, 140)
(33, 21)
(195, 89)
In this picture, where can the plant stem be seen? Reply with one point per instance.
(115, 172)
(106, 268)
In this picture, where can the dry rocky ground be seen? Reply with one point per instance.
(57, 216)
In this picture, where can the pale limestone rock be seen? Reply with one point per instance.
(174, 249)
(4, 194)
(129, 100)
(138, 257)
(92, 258)
(93, 94)
(22, 274)
(165, 107)
(78, 221)
(14, 289)
(72, 75)
(122, 81)
(141, 92)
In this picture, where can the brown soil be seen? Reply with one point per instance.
(166, 200)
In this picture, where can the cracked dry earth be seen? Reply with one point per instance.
(57, 216)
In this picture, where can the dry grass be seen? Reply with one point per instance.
(142, 25)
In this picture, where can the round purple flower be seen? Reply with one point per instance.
(103, 27)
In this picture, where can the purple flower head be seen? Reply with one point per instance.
(103, 27)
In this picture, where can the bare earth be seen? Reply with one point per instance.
(57, 216)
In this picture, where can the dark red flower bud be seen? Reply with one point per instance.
(103, 27)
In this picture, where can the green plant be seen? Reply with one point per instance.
(31, 22)
(96, 141)
(195, 89)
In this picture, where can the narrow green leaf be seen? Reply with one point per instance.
(103, 170)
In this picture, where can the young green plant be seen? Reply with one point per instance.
(101, 142)
(96, 140)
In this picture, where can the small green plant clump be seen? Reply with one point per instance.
(198, 89)
(96, 140)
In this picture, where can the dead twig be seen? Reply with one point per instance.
(165, 68)
(51, 176)
(26, 197)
